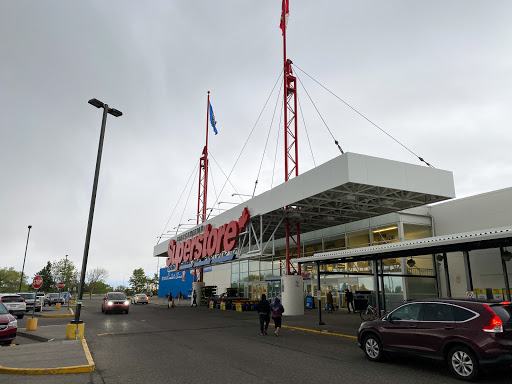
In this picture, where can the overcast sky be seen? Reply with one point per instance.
(437, 75)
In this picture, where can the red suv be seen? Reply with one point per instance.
(115, 302)
(466, 334)
(8, 325)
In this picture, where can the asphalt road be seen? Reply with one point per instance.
(153, 344)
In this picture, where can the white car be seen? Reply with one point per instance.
(14, 303)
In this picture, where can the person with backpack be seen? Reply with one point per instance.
(264, 314)
(277, 314)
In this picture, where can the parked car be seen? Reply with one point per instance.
(141, 298)
(53, 298)
(115, 302)
(14, 303)
(466, 334)
(8, 325)
(30, 298)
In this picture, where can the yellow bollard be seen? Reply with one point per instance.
(31, 324)
(57, 305)
(71, 331)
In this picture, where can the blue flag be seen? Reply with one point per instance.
(212, 119)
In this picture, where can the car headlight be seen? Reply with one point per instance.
(13, 323)
(110, 303)
(126, 302)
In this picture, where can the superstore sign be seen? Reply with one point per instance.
(210, 242)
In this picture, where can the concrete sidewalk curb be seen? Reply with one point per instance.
(29, 335)
(54, 371)
(54, 316)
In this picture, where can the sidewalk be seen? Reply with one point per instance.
(53, 355)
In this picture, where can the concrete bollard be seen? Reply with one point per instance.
(31, 324)
(57, 305)
(71, 333)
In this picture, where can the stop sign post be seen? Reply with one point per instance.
(37, 282)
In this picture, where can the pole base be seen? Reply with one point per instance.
(321, 323)
(31, 324)
(71, 331)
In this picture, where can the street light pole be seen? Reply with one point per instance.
(116, 113)
(24, 257)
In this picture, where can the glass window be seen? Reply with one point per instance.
(415, 231)
(312, 247)
(409, 312)
(358, 239)
(254, 266)
(235, 267)
(335, 243)
(3, 310)
(385, 234)
(438, 312)
(461, 314)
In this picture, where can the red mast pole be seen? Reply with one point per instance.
(291, 147)
(203, 181)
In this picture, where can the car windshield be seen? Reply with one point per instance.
(3, 310)
(54, 295)
(116, 296)
(504, 312)
(27, 295)
(141, 295)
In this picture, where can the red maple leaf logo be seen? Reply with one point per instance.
(244, 219)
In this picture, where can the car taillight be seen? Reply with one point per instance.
(495, 325)
(22, 299)
(146, 297)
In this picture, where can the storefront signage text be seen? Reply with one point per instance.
(211, 242)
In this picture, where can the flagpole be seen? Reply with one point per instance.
(207, 115)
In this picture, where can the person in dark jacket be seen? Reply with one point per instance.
(277, 314)
(169, 300)
(264, 314)
(330, 303)
(350, 300)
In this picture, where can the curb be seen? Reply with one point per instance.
(329, 333)
(55, 316)
(32, 336)
(54, 371)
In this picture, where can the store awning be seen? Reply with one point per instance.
(348, 188)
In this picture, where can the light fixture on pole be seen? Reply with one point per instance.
(24, 257)
(506, 255)
(411, 263)
(241, 194)
(227, 202)
(116, 113)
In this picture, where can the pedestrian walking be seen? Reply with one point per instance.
(277, 314)
(350, 300)
(194, 297)
(330, 304)
(179, 296)
(169, 300)
(264, 314)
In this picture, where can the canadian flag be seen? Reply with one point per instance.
(285, 13)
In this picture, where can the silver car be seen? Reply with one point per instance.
(140, 298)
(30, 298)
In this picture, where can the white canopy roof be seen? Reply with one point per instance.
(347, 188)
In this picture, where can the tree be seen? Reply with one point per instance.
(49, 284)
(95, 276)
(10, 280)
(64, 270)
(121, 288)
(139, 280)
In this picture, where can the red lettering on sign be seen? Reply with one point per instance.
(231, 236)
(209, 243)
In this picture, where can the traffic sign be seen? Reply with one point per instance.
(37, 282)
(470, 294)
(60, 285)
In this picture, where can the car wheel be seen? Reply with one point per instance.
(20, 316)
(102, 309)
(462, 363)
(372, 348)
